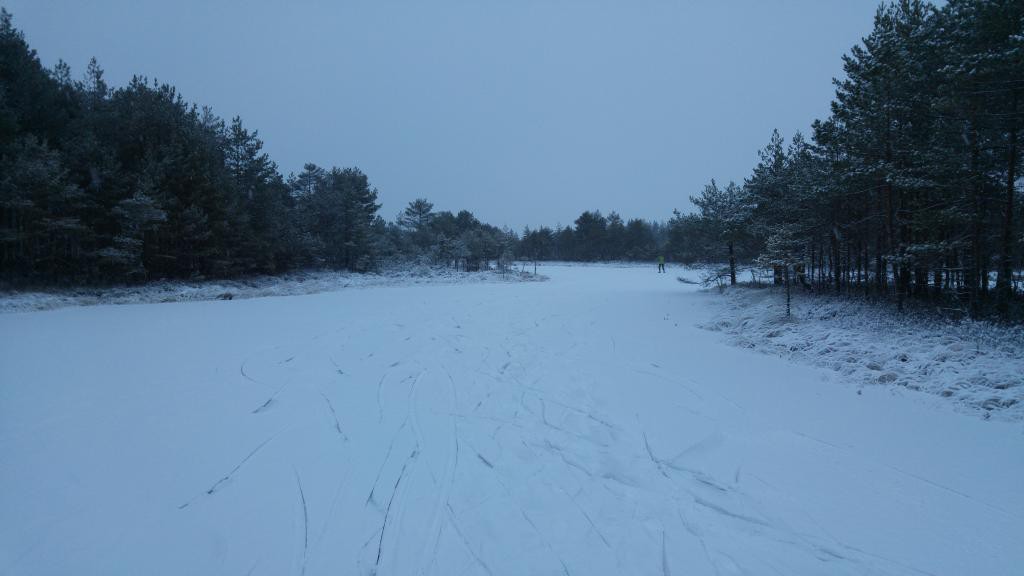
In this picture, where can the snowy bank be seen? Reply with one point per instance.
(292, 284)
(978, 365)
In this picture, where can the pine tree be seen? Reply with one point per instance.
(358, 212)
(590, 236)
(416, 219)
(728, 213)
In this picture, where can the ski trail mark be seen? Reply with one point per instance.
(241, 370)
(213, 489)
(438, 515)
(270, 400)
(380, 407)
(305, 520)
(334, 415)
(387, 512)
(330, 511)
(586, 516)
(650, 454)
(387, 456)
(337, 368)
(565, 569)
(465, 542)
(700, 538)
(890, 560)
(726, 512)
(484, 460)
(953, 491)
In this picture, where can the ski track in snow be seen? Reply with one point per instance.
(584, 425)
(305, 520)
(227, 477)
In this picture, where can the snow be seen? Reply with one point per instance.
(977, 365)
(584, 425)
(291, 284)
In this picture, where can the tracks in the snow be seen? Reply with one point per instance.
(391, 500)
(305, 520)
(334, 416)
(227, 477)
(507, 404)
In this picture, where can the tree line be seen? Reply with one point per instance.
(596, 237)
(107, 185)
(910, 188)
(130, 184)
(102, 185)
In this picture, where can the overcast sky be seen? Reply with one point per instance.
(522, 111)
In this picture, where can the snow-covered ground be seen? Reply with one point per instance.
(292, 284)
(583, 426)
(977, 365)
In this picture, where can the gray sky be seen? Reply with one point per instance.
(522, 111)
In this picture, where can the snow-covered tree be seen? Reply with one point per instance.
(727, 212)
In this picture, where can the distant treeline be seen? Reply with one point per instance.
(910, 189)
(595, 237)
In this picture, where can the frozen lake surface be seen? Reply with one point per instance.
(581, 426)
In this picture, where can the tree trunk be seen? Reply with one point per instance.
(848, 270)
(789, 295)
(973, 272)
(880, 273)
(732, 264)
(1004, 285)
(835, 256)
